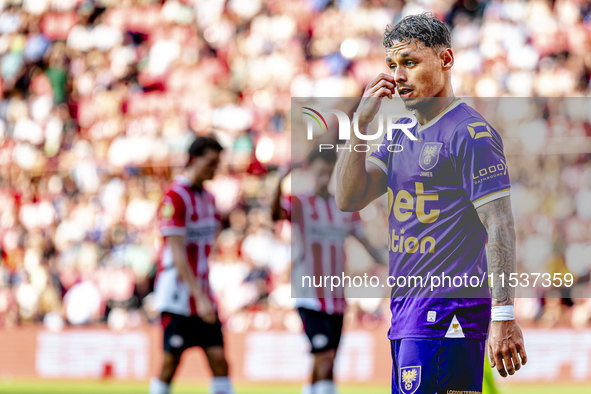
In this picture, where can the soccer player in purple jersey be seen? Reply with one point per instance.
(448, 191)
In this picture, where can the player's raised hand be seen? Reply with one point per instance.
(506, 348)
(382, 86)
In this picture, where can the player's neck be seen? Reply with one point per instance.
(197, 185)
(433, 108)
(194, 179)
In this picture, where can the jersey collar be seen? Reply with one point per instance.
(430, 123)
(183, 180)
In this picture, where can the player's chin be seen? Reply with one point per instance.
(412, 103)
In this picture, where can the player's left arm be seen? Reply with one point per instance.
(506, 347)
(277, 213)
(478, 153)
(277, 210)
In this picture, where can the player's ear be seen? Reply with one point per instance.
(447, 59)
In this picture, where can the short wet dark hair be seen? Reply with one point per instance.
(424, 27)
(201, 145)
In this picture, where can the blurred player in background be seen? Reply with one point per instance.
(189, 224)
(439, 214)
(319, 229)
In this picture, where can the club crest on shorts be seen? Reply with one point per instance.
(319, 341)
(430, 155)
(410, 379)
(176, 341)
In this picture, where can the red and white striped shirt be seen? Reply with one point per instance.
(319, 230)
(190, 213)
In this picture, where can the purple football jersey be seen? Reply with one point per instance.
(435, 185)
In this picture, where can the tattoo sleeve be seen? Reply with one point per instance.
(497, 218)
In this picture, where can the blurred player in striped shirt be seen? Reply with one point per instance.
(319, 230)
(189, 224)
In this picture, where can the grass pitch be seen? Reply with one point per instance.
(117, 387)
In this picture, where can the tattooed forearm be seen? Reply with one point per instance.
(497, 218)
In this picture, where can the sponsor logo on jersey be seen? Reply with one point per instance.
(410, 378)
(333, 233)
(198, 233)
(403, 206)
(430, 155)
(489, 172)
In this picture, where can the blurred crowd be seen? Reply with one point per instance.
(99, 100)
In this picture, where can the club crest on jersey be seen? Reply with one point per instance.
(430, 155)
(410, 379)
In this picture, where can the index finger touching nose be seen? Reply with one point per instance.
(381, 77)
(388, 77)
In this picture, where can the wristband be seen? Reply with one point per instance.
(502, 313)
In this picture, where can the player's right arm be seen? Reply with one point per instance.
(179, 257)
(359, 182)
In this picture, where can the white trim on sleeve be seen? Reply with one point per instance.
(379, 163)
(491, 197)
